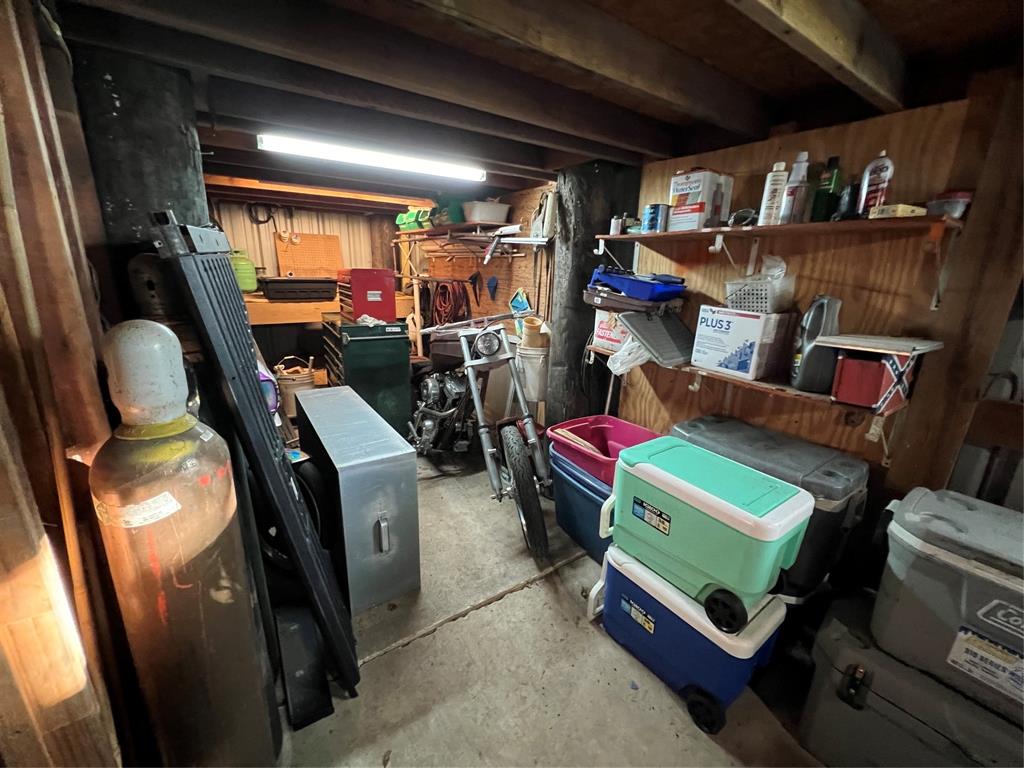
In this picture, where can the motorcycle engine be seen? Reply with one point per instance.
(454, 389)
(430, 391)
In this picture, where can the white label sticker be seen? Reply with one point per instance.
(993, 664)
(374, 296)
(135, 515)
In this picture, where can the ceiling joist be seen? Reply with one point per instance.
(363, 127)
(343, 42)
(211, 57)
(581, 35)
(842, 38)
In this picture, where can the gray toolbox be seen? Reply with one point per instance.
(867, 708)
(371, 523)
(837, 481)
(951, 601)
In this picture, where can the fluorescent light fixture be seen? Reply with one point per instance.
(342, 154)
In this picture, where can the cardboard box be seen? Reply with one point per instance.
(748, 345)
(609, 333)
(698, 198)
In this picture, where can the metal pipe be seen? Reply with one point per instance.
(484, 431)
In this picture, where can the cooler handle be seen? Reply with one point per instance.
(605, 525)
(385, 534)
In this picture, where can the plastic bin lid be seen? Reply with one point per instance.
(825, 472)
(974, 529)
(754, 492)
(664, 336)
(766, 616)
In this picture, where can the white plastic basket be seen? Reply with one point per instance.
(760, 293)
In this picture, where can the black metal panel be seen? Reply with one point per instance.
(219, 314)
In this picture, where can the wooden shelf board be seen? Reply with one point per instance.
(896, 226)
(772, 388)
(463, 227)
(599, 350)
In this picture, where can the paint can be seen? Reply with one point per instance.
(655, 218)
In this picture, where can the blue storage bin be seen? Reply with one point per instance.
(578, 499)
(671, 634)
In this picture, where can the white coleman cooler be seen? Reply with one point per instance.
(951, 601)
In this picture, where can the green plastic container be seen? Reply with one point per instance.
(716, 529)
(245, 271)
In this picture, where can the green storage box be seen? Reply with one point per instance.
(716, 529)
(374, 361)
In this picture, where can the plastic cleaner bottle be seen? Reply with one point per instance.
(875, 183)
(826, 196)
(794, 199)
(165, 499)
(771, 200)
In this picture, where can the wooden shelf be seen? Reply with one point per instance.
(772, 388)
(932, 228)
(465, 226)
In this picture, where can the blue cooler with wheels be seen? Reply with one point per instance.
(578, 499)
(671, 634)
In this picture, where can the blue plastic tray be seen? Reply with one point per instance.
(640, 287)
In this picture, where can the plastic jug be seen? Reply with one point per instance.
(814, 366)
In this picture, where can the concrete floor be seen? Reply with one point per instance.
(494, 663)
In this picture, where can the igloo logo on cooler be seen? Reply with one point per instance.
(1006, 616)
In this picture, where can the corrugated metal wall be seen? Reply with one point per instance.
(258, 240)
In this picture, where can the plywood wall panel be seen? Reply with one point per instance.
(885, 282)
(354, 232)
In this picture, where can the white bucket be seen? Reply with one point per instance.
(532, 363)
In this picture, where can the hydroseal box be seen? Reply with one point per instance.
(748, 345)
(698, 198)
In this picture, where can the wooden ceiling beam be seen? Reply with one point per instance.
(364, 178)
(333, 39)
(238, 133)
(292, 177)
(841, 37)
(211, 57)
(588, 38)
(366, 128)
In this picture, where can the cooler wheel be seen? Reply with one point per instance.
(704, 709)
(726, 611)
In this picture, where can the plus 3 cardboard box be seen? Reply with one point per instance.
(748, 345)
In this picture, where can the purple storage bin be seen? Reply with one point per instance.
(606, 433)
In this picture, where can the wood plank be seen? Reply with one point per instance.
(885, 278)
(984, 275)
(585, 37)
(210, 57)
(262, 311)
(997, 424)
(666, 243)
(352, 45)
(299, 190)
(841, 37)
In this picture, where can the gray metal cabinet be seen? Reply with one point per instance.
(372, 527)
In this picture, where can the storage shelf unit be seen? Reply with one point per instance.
(932, 228)
(770, 388)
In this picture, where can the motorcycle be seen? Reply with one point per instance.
(451, 408)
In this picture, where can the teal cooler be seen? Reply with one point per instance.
(717, 530)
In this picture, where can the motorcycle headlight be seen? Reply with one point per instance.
(487, 344)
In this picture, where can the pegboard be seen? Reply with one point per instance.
(312, 256)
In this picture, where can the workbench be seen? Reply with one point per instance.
(265, 312)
